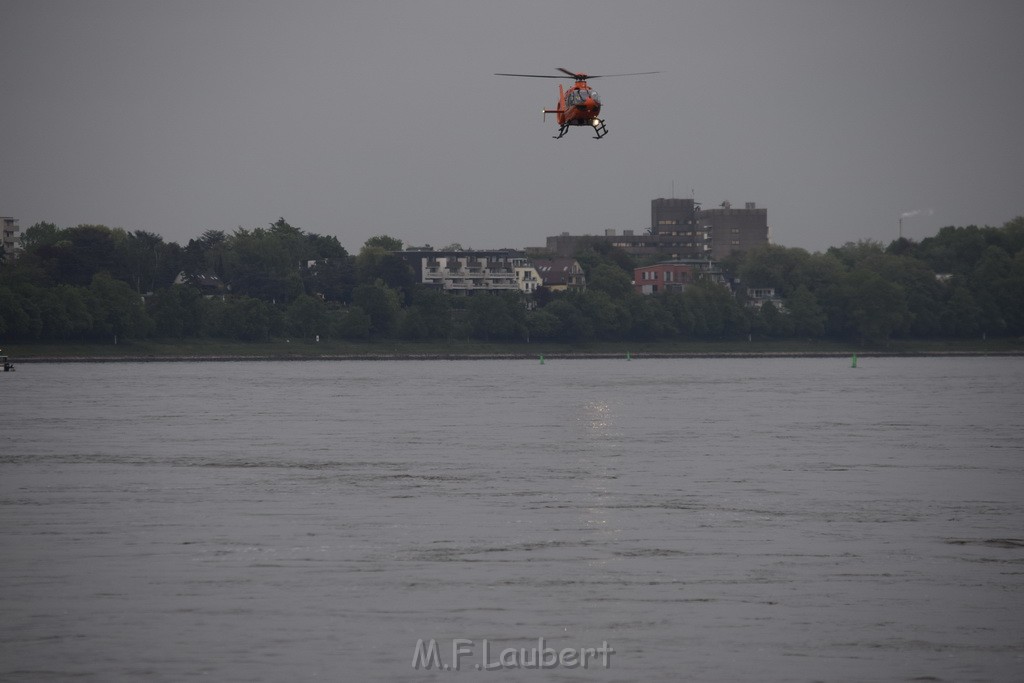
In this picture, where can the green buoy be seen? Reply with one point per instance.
(853, 361)
(542, 359)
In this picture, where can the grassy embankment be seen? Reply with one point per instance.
(199, 349)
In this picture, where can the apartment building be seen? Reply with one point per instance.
(11, 235)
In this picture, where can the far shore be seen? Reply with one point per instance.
(212, 350)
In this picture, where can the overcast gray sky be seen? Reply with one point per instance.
(361, 118)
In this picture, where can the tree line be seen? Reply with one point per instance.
(94, 283)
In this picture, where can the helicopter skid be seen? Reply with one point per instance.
(600, 130)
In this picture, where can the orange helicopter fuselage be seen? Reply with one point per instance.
(577, 106)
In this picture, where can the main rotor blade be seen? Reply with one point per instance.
(579, 76)
(638, 73)
(530, 75)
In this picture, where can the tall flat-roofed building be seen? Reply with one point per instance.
(674, 234)
(679, 229)
(673, 216)
(11, 237)
(730, 229)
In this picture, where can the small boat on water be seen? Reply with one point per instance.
(8, 365)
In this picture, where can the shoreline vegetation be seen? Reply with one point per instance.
(75, 292)
(306, 350)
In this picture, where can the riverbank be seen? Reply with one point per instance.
(280, 350)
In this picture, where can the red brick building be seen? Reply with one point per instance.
(673, 276)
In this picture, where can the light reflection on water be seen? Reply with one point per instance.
(713, 520)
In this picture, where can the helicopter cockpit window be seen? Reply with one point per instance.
(578, 97)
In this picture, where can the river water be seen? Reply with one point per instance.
(660, 520)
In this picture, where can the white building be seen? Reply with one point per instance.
(468, 271)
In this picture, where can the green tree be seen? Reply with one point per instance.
(496, 316)
(395, 272)
(78, 255)
(921, 292)
(180, 311)
(38, 235)
(116, 310)
(15, 321)
(307, 317)
(1014, 235)
(773, 266)
(332, 278)
(206, 254)
(712, 311)
(609, 318)
(431, 315)
(776, 323)
(244, 318)
(573, 325)
(852, 254)
(953, 250)
(611, 280)
(379, 302)
(596, 252)
(651, 317)
(679, 311)
(994, 265)
(326, 247)
(140, 252)
(817, 272)
(877, 308)
(962, 314)
(413, 325)
(384, 243)
(1011, 295)
(542, 325)
(806, 315)
(377, 261)
(351, 323)
(65, 312)
(264, 264)
(168, 313)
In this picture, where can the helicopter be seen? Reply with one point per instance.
(579, 105)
